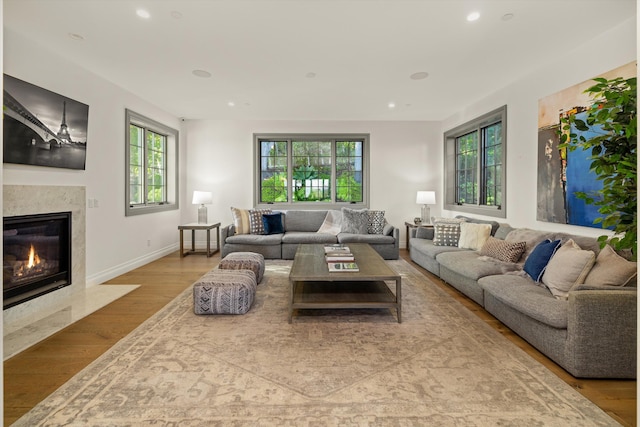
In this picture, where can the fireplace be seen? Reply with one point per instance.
(37, 255)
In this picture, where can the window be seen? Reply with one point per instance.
(304, 169)
(152, 166)
(475, 165)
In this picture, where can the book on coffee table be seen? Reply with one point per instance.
(343, 266)
(337, 248)
(337, 257)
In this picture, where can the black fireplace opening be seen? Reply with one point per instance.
(36, 254)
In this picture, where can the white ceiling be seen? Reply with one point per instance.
(260, 52)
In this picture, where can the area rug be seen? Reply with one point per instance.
(442, 366)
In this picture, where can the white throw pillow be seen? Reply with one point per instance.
(332, 223)
(568, 267)
(473, 236)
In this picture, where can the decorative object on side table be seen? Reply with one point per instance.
(202, 198)
(426, 198)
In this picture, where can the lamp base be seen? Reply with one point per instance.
(425, 215)
(202, 214)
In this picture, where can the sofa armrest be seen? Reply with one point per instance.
(601, 333)
(226, 231)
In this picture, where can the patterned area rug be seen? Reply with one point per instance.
(441, 367)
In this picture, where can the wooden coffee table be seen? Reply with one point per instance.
(312, 286)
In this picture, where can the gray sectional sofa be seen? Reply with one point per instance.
(301, 226)
(591, 333)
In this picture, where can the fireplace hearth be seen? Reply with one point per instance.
(36, 256)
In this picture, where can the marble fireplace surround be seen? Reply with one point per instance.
(30, 322)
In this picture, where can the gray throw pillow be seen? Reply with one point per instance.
(355, 221)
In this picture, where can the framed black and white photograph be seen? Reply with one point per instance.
(43, 128)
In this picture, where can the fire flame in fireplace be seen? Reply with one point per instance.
(34, 259)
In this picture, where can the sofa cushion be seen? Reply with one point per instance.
(494, 224)
(472, 265)
(332, 222)
(427, 248)
(503, 250)
(502, 231)
(424, 233)
(241, 221)
(567, 268)
(376, 222)
(365, 238)
(610, 269)
(273, 223)
(304, 220)
(255, 239)
(355, 221)
(530, 237)
(308, 237)
(523, 295)
(473, 236)
(537, 261)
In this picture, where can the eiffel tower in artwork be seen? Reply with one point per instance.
(63, 133)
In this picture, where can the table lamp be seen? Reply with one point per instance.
(202, 198)
(426, 198)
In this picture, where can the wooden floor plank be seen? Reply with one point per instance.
(33, 374)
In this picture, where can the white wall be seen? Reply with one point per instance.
(405, 157)
(115, 243)
(609, 50)
(217, 155)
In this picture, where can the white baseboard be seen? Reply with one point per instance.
(103, 276)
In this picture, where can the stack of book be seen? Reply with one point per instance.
(339, 258)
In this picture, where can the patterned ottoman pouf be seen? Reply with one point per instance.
(244, 261)
(224, 292)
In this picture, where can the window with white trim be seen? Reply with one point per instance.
(152, 165)
(475, 165)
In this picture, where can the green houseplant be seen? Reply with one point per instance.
(612, 117)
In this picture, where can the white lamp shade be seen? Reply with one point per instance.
(426, 198)
(202, 198)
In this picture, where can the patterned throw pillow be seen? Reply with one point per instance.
(446, 234)
(376, 222)
(355, 221)
(255, 220)
(504, 251)
(240, 220)
(446, 231)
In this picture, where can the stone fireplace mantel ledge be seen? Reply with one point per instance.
(22, 332)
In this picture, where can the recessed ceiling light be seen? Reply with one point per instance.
(419, 75)
(76, 37)
(473, 16)
(201, 73)
(507, 16)
(391, 105)
(143, 13)
(231, 104)
(176, 15)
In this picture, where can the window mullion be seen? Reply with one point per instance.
(145, 190)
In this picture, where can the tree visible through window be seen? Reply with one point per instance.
(474, 165)
(151, 155)
(310, 168)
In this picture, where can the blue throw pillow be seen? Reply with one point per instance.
(539, 258)
(272, 223)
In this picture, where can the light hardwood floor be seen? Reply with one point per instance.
(35, 373)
